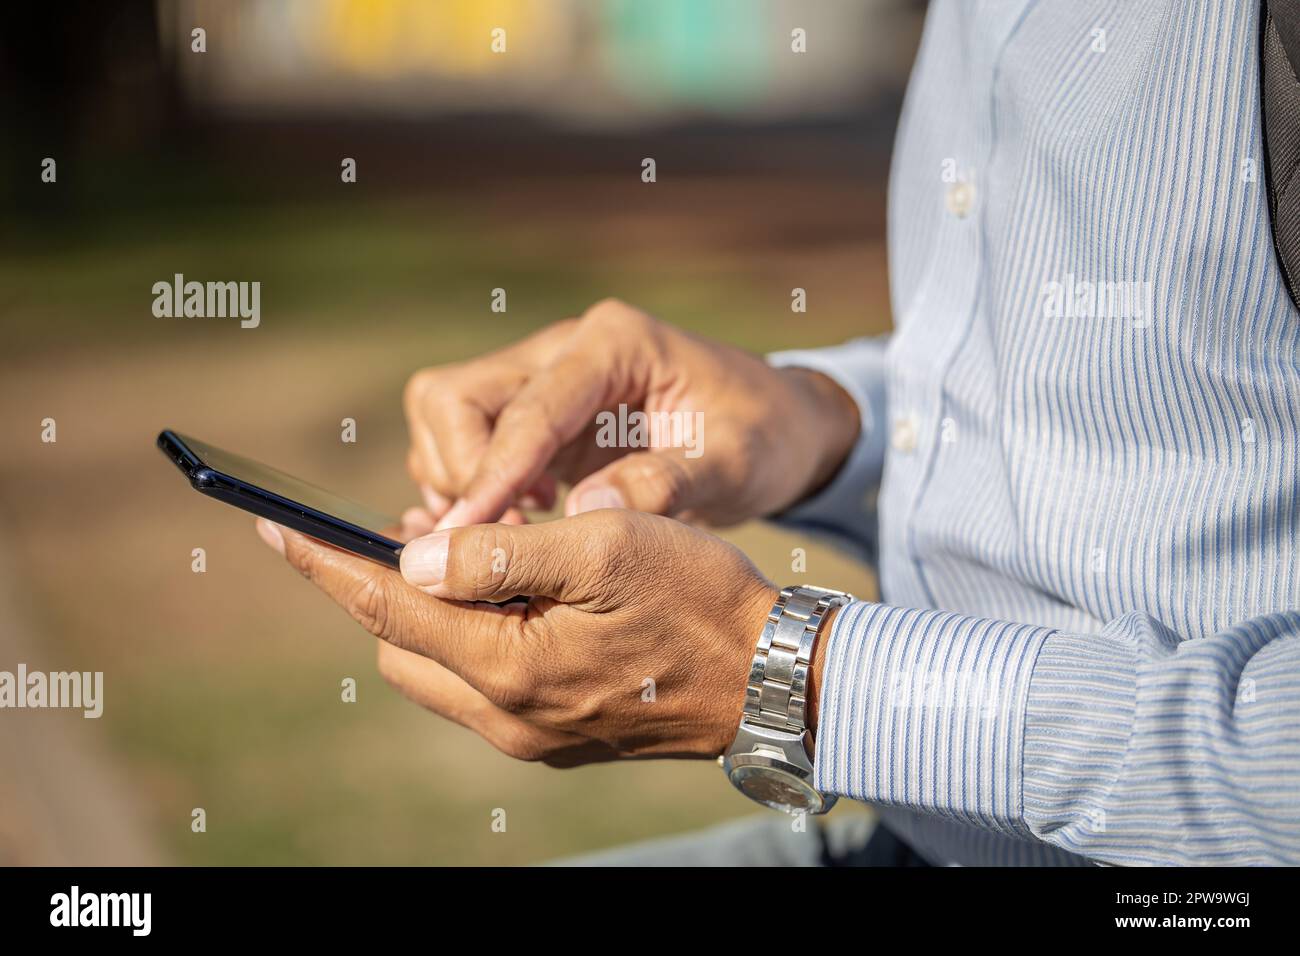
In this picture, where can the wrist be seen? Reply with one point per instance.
(816, 670)
(833, 419)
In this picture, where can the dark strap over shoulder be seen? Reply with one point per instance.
(1279, 52)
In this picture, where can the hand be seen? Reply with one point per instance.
(503, 429)
(618, 599)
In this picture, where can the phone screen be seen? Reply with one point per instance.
(287, 486)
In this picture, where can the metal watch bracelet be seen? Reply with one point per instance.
(769, 760)
(777, 694)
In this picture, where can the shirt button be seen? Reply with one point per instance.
(961, 197)
(903, 437)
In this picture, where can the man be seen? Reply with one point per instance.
(1084, 435)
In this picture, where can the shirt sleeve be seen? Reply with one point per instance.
(1130, 746)
(844, 511)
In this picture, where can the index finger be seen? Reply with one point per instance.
(450, 409)
(551, 410)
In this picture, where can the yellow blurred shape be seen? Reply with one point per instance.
(386, 38)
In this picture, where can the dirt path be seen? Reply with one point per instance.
(62, 802)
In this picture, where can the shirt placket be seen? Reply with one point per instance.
(923, 351)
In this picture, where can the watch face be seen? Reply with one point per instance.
(776, 788)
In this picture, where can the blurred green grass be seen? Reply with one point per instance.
(82, 281)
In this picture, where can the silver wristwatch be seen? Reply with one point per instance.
(769, 761)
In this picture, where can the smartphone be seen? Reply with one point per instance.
(286, 500)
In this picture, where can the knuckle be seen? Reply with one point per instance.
(371, 605)
(610, 305)
(522, 745)
(659, 482)
(509, 688)
(303, 560)
(416, 386)
(436, 380)
(490, 564)
(617, 315)
(614, 541)
(621, 528)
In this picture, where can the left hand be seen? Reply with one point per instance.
(616, 599)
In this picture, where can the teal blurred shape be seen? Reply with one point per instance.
(714, 53)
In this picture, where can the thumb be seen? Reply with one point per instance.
(496, 562)
(662, 482)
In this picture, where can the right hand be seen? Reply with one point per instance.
(501, 430)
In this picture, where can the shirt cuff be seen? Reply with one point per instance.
(925, 709)
(1081, 709)
(844, 510)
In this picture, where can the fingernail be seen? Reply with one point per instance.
(416, 522)
(456, 517)
(270, 534)
(593, 499)
(424, 560)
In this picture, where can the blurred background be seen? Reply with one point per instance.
(476, 170)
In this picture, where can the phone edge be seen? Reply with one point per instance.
(267, 504)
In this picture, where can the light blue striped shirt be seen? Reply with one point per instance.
(1083, 433)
